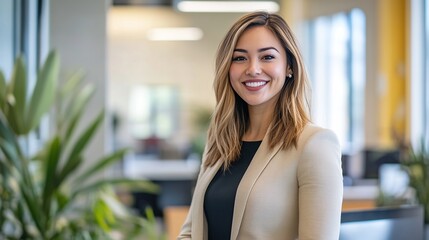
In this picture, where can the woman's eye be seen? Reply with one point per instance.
(268, 57)
(239, 58)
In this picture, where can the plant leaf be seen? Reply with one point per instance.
(51, 161)
(10, 154)
(44, 91)
(3, 90)
(9, 145)
(31, 203)
(146, 186)
(71, 166)
(87, 135)
(75, 154)
(62, 200)
(10, 114)
(66, 98)
(19, 91)
(71, 84)
(76, 109)
(7, 134)
(74, 160)
(118, 209)
(100, 211)
(100, 165)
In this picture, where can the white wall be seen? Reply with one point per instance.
(78, 33)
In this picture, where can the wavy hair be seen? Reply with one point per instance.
(230, 119)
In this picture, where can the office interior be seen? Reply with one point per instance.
(367, 61)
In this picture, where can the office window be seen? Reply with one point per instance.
(6, 39)
(23, 25)
(153, 111)
(23, 31)
(337, 70)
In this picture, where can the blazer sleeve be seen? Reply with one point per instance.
(320, 187)
(186, 230)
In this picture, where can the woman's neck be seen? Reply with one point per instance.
(259, 120)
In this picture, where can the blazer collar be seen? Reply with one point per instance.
(261, 159)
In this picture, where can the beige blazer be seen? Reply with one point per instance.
(284, 194)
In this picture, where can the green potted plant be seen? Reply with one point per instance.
(416, 164)
(47, 195)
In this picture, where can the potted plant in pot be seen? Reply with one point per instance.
(47, 194)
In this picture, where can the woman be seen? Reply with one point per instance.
(267, 172)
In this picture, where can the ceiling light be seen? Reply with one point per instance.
(227, 6)
(175, 34)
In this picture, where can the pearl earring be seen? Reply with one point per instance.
(289, 75)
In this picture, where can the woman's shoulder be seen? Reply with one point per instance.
(315, 133)
(320, 152)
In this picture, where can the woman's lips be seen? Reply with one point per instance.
(254, 85)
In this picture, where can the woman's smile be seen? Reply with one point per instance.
(255, 85)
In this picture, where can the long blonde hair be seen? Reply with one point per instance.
(230, 119)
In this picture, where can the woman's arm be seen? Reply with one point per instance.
(320, 183)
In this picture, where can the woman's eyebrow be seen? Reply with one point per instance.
(268, 48)
(240, 50)
(259, 50)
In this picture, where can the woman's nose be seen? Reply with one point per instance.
(253, 68)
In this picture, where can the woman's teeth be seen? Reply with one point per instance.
(255, 84)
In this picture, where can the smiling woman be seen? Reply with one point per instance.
(267, 172)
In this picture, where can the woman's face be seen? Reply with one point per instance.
(258, 69)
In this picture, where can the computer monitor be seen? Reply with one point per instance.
(374, 158)
(403, 223)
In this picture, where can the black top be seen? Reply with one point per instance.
(220, 195)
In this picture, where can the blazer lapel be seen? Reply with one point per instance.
(198, 213)
(262, 157)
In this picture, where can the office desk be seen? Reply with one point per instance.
(360, 197)
(175, 177)
(401, 223)
(146, 167)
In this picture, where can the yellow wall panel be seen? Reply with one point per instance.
(392, 86)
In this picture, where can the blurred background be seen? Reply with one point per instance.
(152, 62)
